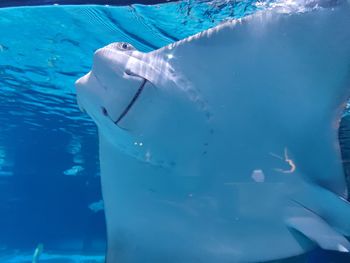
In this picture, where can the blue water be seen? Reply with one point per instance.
(49, 167)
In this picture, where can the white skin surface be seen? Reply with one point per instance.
(177, 169)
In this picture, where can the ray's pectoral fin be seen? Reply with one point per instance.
(318, 231)
(321, 216)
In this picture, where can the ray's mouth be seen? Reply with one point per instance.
(131, 102)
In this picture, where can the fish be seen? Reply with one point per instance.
(223, 146)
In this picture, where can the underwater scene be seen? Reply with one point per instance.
(151, 149)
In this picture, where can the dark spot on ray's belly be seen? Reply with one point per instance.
(104, 111)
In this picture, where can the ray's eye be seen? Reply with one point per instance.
(125, 46)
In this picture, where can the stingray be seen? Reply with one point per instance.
(223, 147)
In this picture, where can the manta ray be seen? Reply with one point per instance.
(223, 147)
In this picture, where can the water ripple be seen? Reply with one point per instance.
(43, 50)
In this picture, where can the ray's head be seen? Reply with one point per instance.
(135, 97)
(107, 91)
